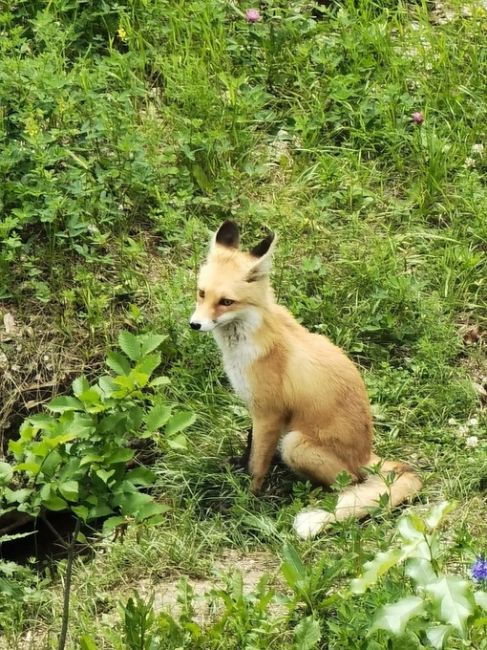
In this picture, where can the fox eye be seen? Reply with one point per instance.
(226, 302)
(201, 293)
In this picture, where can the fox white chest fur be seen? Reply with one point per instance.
(239, 350)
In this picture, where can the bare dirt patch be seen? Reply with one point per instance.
(252, 566)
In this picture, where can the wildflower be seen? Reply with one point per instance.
(479, 569)
(478, 148)
(252, 15)
(472, 441)
(473, 422)
(469, 161)
(417, 117)
(122, 34)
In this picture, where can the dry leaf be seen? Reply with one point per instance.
(9, 324)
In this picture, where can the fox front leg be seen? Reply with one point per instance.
(266, 432)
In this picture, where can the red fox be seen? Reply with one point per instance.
(306, 397)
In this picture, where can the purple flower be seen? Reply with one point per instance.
(479, 569)
(252, 15)
(417, 117)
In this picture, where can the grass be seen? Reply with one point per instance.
(129, 133)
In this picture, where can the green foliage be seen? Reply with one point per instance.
(436, 606)
(79, 454)
(243, 620)
(444, 606)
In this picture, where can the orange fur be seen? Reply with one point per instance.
(303, 392)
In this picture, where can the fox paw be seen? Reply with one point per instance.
(309, 523)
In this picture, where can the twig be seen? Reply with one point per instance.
(67, 587)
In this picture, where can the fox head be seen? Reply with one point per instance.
(232, 284)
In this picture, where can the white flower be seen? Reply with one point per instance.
(472, 441)
(478, 148)
(473, 422)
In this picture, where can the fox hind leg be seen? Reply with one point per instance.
(311, 460)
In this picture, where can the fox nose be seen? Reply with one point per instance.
(194, 326)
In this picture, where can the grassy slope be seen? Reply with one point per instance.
(304, 126)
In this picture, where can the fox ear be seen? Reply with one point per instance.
(227, 235)
(263, 252)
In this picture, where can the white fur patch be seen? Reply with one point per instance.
(239, 350)
(309, 523)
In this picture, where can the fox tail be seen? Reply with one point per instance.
(361, 499)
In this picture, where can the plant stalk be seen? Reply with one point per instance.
(67, 586)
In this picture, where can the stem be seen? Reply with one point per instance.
(60, 539)
(67, 587)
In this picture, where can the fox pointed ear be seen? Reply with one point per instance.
(227, 235)
(263, 254)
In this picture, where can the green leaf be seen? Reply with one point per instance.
(141, 476)
(179, 422)
(307, 634)
(29, 467)
(111, 423)
(69, 490)
(17, 496)
(51, 463)
(150, 342)
(395, 617)
(130, 345)
(438, 634)
(91, 396)
(14, 536)
(130, 504)
(135, 416)
(65, 403)
(374, 570)
(437, 513)
(157, 417)
(150, 510)
(118, 363)
(148, 364)
(180, 442)
(101, 510)
(104, 474)
(480, 598)
(413, 531)
(201, 178)
(54, 503)
(80, 511)
(292, 567)
(121, 455)
(9, 568)
(87, 643)
(420, 571)
(80, 385)
(42, 421)
(452, 596)
(6, 472)
(125, 381)
(160, 381)
(107, 385)
(111, 523)
(411, 528)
